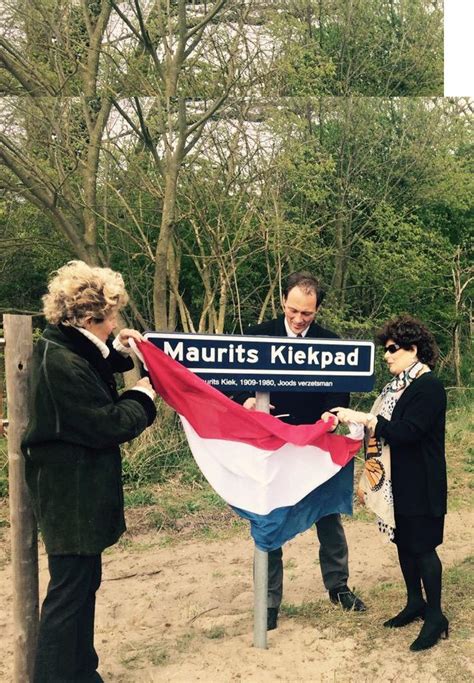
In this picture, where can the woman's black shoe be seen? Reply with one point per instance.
(406, 616)
(430, 633)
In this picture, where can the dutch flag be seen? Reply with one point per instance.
(281, 477)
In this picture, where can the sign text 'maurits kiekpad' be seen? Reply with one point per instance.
(235, 362)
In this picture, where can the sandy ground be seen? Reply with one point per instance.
(183, 612)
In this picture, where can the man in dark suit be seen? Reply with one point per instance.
(302, 298)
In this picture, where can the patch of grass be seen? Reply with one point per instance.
(385, 600)
(290, 564)
(215, 632)
(5, 555)
(126, 542)
(460, 450)
(458, 602)
(4, 527)
(170, 511)
(160, 521)
(458, 589)
(330, 620)
(160, 453)
(208, 533)
(212, 499)
(291, 611)
(175, 508)
(159, 657)
(139, 497)
(156, 654)
(167, 541)
(183, 643)
(361, 513)
(128, 660)
(3, 468)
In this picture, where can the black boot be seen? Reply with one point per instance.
(431, 632)
(407, 615)
(272, 618)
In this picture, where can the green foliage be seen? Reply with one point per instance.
(374, 195)
(159, 657)
(460, 447)
(3, 468)
(362, 47)
(139, 497)
(28, 254)
(303, 67)
(215, 632)
(150, 653)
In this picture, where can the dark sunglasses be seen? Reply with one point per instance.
(392, 348)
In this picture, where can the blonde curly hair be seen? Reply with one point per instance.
(78, 292)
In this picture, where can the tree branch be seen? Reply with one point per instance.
(146, 136)
(207, 18)
(20, 70)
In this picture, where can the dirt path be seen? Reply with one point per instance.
(183, 612)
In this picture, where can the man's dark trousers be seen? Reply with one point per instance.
(306, 408)
(65, 651)
(333, 559)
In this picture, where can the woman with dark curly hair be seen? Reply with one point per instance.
(404, 479)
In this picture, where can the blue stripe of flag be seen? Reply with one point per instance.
(282, 524)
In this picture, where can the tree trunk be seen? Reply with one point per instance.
(160, 280)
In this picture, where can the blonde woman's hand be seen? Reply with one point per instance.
(144, 383)
(125, 334)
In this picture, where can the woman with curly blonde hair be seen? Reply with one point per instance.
(72, 456)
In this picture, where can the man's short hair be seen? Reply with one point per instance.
(307, 282)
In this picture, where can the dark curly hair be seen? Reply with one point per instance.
(407, 331)
(307, 282)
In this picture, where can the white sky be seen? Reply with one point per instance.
(458, 48)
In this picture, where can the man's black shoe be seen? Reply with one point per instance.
(272, 618)
(346, 599)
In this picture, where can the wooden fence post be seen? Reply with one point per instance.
(24, 543)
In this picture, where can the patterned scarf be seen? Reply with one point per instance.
(376, 483)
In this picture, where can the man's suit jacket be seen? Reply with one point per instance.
(304, 407)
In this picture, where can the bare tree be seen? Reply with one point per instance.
(52, 139)
(198, 63)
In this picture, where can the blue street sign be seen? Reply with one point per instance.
(240, 363)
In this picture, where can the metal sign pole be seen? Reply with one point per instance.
(260, 564)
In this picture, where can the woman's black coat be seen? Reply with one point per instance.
(71, 445)
(416, 435)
